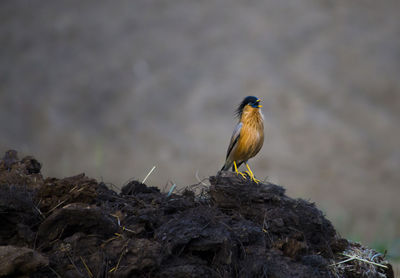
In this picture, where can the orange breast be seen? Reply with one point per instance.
(251, 136)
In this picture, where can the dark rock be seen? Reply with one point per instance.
(236, 229)
(74, 218)
(32, 165)
(60, 192)
(19, 215)
(293, 225)
(136, 187)
(20, 261)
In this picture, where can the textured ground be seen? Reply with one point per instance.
(77, 227)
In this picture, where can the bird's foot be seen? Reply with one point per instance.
(242, 174)
(252, 177)
(237, 172)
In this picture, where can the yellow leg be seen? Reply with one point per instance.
(251, 174)
(237, 172)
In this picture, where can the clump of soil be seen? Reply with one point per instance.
(77, 227)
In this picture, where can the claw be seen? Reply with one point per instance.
(243, 175)
(237, 172)
(255, 180)
(252, 177)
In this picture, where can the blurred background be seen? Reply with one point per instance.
(111, 88)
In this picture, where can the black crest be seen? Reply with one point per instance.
(252, 100)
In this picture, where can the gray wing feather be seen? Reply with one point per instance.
(234, 138)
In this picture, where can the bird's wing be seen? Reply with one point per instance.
(234, 138)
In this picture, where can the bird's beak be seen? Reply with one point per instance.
(259, 105)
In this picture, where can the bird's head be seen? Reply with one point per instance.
(249, 102)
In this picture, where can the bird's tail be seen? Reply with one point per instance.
(227, 165)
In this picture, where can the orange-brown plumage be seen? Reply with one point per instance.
(251, 135)
(248, 136)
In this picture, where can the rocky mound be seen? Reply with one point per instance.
(77, 227)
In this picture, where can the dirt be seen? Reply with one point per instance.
(78, 227)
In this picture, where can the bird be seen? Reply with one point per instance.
(247, 138)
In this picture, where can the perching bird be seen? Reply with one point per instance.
(247, 138)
